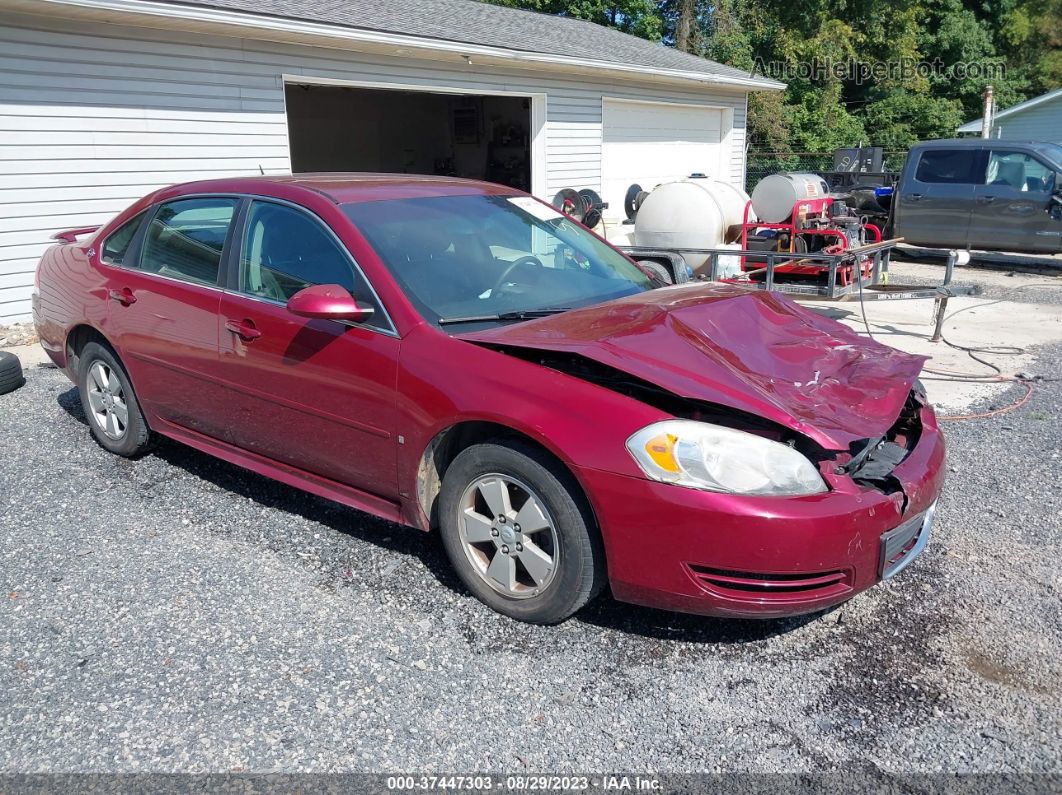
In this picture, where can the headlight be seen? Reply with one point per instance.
(703, 456)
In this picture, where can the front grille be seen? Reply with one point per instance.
(902, 544)
(748, 586)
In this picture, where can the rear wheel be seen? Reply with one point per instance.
(517, 530)
(109, 403)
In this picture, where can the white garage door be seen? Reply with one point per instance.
(650, 142)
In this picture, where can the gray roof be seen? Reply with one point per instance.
(476, 23)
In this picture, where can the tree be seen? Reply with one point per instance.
(684, 25)
(638, 17)
(923, 90)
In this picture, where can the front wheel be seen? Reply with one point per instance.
(519, 533)
(110, 405)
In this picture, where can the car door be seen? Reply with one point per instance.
(164, 295)
(1013, 205)
(315, 394)
(936, 198)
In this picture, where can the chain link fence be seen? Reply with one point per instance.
(761, 164)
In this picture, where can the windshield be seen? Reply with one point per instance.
(1053, 151)
(485, 260)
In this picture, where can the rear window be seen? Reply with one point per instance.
(116, 248)
(947, 166)
(185, 237)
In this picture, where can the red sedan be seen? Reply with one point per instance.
(458, 355)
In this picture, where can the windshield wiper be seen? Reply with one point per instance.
(525, 314)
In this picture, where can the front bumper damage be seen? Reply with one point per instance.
(762, 557)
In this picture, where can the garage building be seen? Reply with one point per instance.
(102, 101)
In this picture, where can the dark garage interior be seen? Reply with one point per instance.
(340, 128)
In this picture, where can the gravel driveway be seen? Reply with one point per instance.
(180, 614)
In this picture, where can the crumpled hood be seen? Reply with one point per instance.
(751, 350)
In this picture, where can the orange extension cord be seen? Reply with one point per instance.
(1016, 405)
(973, 378)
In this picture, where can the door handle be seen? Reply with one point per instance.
(913, 197)
(985, 199)
(124, 296)
(244, 329)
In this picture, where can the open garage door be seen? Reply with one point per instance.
(348, 128)
(653, 142)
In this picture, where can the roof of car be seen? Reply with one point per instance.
(958, 143)
(1045, 148)
(349, 187)
(486, 24)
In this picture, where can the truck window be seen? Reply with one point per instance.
(1019, 171)
(947, 165)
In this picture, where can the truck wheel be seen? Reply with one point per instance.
(660, 273)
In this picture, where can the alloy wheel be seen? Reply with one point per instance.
(508, 536)
(106, 398)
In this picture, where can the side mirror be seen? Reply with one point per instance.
(1054, 205)
(328, 302)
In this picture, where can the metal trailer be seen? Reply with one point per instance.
(874, 287)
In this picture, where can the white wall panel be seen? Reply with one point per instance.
(93, 116)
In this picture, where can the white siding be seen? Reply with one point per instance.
(94, 116)
(1041, 122)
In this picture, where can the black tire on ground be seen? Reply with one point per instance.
(580, 565)
(11, 377)
(136, 438)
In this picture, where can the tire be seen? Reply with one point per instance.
(11, 377)
(630, 201)
(569, 538)
(660, 273)
(103, 399)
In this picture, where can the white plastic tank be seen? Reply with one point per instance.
(774, 196)
(731, 200)
(692, 213)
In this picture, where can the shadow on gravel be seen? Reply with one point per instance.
(269, 493)
(604, 612)
(340, 518)
(70, 402)
(607, 613)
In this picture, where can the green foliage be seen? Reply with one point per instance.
(905, 117)
(822, 110)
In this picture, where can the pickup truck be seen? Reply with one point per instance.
(973, 193)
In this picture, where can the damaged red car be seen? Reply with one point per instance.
(458, 355)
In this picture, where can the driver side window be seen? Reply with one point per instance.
(285, 250)
(1019, 171)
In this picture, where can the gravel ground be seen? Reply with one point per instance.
(180, 614)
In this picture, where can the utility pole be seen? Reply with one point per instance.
(990, 109)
